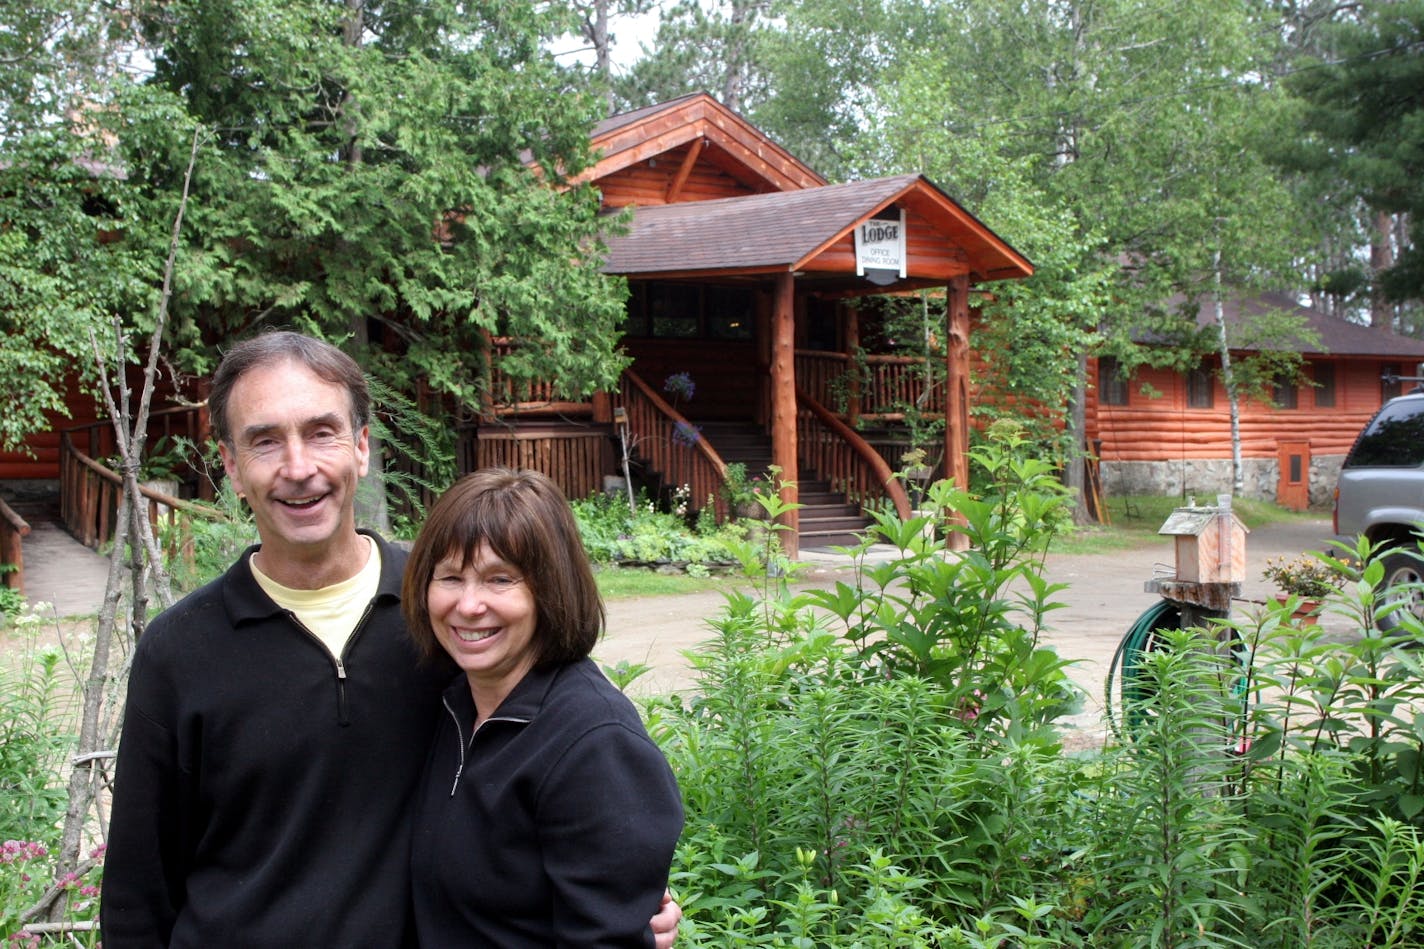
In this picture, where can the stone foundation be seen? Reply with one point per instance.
(1206, 478)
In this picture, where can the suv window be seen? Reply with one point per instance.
(1393, 439)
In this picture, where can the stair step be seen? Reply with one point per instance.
(826, 518)
(817, 540)
(845, 522)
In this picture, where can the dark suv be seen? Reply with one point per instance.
(1380, 494)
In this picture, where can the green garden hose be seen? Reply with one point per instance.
(1127, 661)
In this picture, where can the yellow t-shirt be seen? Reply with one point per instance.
(330, 612)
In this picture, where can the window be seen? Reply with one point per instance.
(1201, 389)
(690, 311)
(1112, 386)
(1324, 373)
(1285, 394)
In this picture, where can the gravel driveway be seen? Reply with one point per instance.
(1105, 596)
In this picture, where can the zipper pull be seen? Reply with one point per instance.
(343, 714)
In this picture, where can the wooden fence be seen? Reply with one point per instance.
(89, 500)
(13, 531)
(888, 385)
(576, 459)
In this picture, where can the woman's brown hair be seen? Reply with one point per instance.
(525, 520)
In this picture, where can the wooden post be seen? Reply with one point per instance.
(486, 408)
(602, 404)
(13, 530)
(852, 348)
(956, 405)
(783, 404)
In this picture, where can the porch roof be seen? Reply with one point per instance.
(774, 233)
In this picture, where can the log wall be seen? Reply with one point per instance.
(1164, 427)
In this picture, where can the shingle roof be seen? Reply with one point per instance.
(615, 122)
(1337, 337)
(784, 230)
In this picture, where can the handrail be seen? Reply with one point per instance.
(889, 381)
(89, 494)
(870, 469)
(659, 428)
(13, 529)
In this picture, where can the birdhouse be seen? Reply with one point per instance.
(1210, 543)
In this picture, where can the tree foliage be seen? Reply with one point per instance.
(80, 241)
(1366, 123)
(391, 170)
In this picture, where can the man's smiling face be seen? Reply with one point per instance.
(295, 456)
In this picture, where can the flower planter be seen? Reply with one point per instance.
(1307, 612)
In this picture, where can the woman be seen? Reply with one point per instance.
(547, 816)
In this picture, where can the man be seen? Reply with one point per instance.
(278, 718)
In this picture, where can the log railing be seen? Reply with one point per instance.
(575, 458)
(836, 452)
(890, 384)
(13, 531)
(507, 395)
(89, 499)
(670, 444)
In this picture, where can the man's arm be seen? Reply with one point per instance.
(144, 871)
(665, 923)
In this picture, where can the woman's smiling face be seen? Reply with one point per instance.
(484, 615)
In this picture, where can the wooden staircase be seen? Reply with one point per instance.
(827, 518)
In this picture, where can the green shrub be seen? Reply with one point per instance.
(37, 724)
(876, 764)
(612, 534)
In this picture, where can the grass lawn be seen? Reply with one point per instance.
(1136, 520)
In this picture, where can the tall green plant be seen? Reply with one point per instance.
(1172, 839)
(970, 621)
(34, 710)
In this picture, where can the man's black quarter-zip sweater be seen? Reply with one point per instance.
(264, 786)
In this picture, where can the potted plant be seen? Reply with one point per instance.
(1310, 578)
(741, 492)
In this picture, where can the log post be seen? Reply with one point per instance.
(852, 348)
(783, 404)
(956, 405)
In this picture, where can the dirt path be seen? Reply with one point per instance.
(1105, 596)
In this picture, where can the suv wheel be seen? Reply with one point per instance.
(1402, 567)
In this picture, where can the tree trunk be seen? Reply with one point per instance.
(1074, 476)
(1381, 259)
(133, 535)
(1228, 379)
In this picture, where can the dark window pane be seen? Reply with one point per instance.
(673, 310)
(1285, 395)
(1324, 385)
(1390, 389)
(1112, 387)
(729, 313)
(1201, 393)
